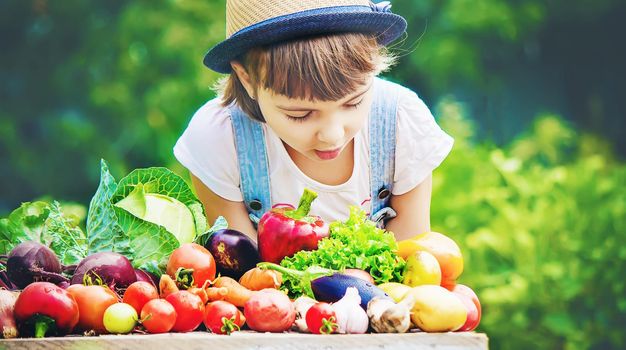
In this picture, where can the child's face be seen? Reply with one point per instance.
(319, 130)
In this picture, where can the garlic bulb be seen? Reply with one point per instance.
(302, 305)
(351, 318)
(388, 317)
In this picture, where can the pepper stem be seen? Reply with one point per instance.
(42, 325)
(304, 206)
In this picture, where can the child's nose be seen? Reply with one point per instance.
(331, 133)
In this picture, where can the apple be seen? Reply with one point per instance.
(436, 309)
(442, 247)
(421, 268)
(472, 304)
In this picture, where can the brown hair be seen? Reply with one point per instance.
(319, 68)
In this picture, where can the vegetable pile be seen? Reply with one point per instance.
(356, 243)
(147, 262)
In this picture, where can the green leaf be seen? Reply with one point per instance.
(23, 224)
(103, 230)
(44, 223)
(67, 240)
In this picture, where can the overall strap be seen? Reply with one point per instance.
(382, 130)
(253, 164)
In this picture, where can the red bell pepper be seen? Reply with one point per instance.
(284, 231)
(47, 307)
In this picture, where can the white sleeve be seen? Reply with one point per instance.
(207, 149)
(421, 145)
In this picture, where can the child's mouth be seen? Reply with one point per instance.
(327, 155)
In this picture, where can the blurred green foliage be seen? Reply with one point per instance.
(540, 223)
(537, 204)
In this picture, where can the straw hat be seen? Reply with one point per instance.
(251, 23)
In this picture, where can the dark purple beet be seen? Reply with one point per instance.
(234, 252)
(114, 269)
(145, 276)
(32, 261)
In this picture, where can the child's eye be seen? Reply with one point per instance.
(355, 105)
(298, 119)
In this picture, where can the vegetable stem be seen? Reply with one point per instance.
(285, 271)
(229, 325)
(304, 278)
(52, 277)
(304, 206)
(184, 278)
(42, 325)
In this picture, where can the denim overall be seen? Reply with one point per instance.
(253, 163)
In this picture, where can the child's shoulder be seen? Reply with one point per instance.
(405, 95)
(209, 126)
(212, 114)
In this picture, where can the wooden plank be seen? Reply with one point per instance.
(259, 341)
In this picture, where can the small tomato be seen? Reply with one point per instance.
(222, 317)
(92, 303)
(139, 293)
(158, 316)
(189, 309)
(321, 319)
(120, 318)
(195, 261)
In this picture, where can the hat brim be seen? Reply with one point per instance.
(386, 26)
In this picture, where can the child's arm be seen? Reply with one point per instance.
(413, 209)
(234, 212)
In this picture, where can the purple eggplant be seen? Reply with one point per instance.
(234, 252)
(332, 288)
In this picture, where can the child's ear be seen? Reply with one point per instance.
(243, 76)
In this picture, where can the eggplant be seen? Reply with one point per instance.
(234, 252)
(332, 288)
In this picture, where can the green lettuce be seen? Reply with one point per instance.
(44, 223)
(354, 243)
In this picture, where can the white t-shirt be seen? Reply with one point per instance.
(207, 149)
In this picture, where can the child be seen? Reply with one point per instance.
(302, 107)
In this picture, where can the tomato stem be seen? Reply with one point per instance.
(184, 278)
(328, 325)
(42, 325)
(229, 325)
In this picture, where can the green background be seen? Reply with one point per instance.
(532, 91)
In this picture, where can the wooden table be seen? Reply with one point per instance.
(260, 341)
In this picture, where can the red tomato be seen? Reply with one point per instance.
(158, 316)
(189, 310)
(321, 319)
(138, 294)
(222, 317)
(47, 299)
(92, 303)
(192, 256)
